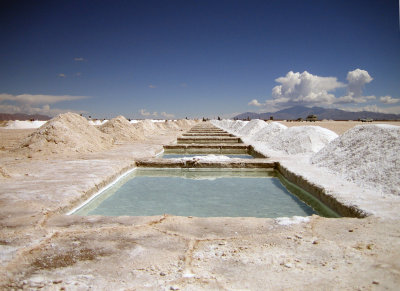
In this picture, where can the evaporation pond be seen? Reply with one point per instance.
(178, 156)
(203, 193)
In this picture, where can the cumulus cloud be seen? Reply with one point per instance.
(307, 89)
(145, 113)
(351, 98)
(304, 89)
(255, 102)
(388, 100)
(167, 115)
(38, 98)
(356, 83)
(34, 104)
(373, 108)
(357, 80)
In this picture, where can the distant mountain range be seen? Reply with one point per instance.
(21, 116)
(296, 112)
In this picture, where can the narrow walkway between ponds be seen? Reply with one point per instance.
(215, 148)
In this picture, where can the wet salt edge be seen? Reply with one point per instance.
(101, 191)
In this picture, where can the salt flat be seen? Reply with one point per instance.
(41, 247)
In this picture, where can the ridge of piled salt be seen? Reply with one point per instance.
(279, 138)
(236, 126)
(366, 155)
(121, 130)
(185, 123)
(251, 127)
(268, 131)
(66, 133)
(148, 126)
(301, 139)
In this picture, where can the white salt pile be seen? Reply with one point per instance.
(237, 125)
(273, 138)
(367, 155)
(66, 133)
(170, 125)
(185, 124)
(300, 139)
(251, 127)
(121, 130)
(24, 124)
(148, 126)
(268, 131)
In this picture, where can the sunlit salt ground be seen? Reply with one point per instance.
(198, 193)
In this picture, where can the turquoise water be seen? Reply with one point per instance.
(203, 193)
(178, 156)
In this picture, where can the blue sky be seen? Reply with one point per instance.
(160, 59)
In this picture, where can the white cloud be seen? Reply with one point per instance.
(183, 85)
(357, 80)
(151, 86)
(255, 102)
(38, 98)
(373, 108)
(62, 75)
(27, 109)
(306, 89)
(352, 98)
(79, 59)
(303, 89)
(34, 104)
(145, 113)
(388, 100)
(167, 115)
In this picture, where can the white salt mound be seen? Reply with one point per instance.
(121, 130)
(171, 125)
(149, 126)
(236, 126)
(268, 131)
(367, 155)
(66, 133)
(24, 124)
(300, 140)
(251, 127)
(185, 123)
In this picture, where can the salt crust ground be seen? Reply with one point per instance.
(43, 249)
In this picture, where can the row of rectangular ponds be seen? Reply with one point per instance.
(205, 192)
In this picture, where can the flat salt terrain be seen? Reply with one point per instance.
(42, 248)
